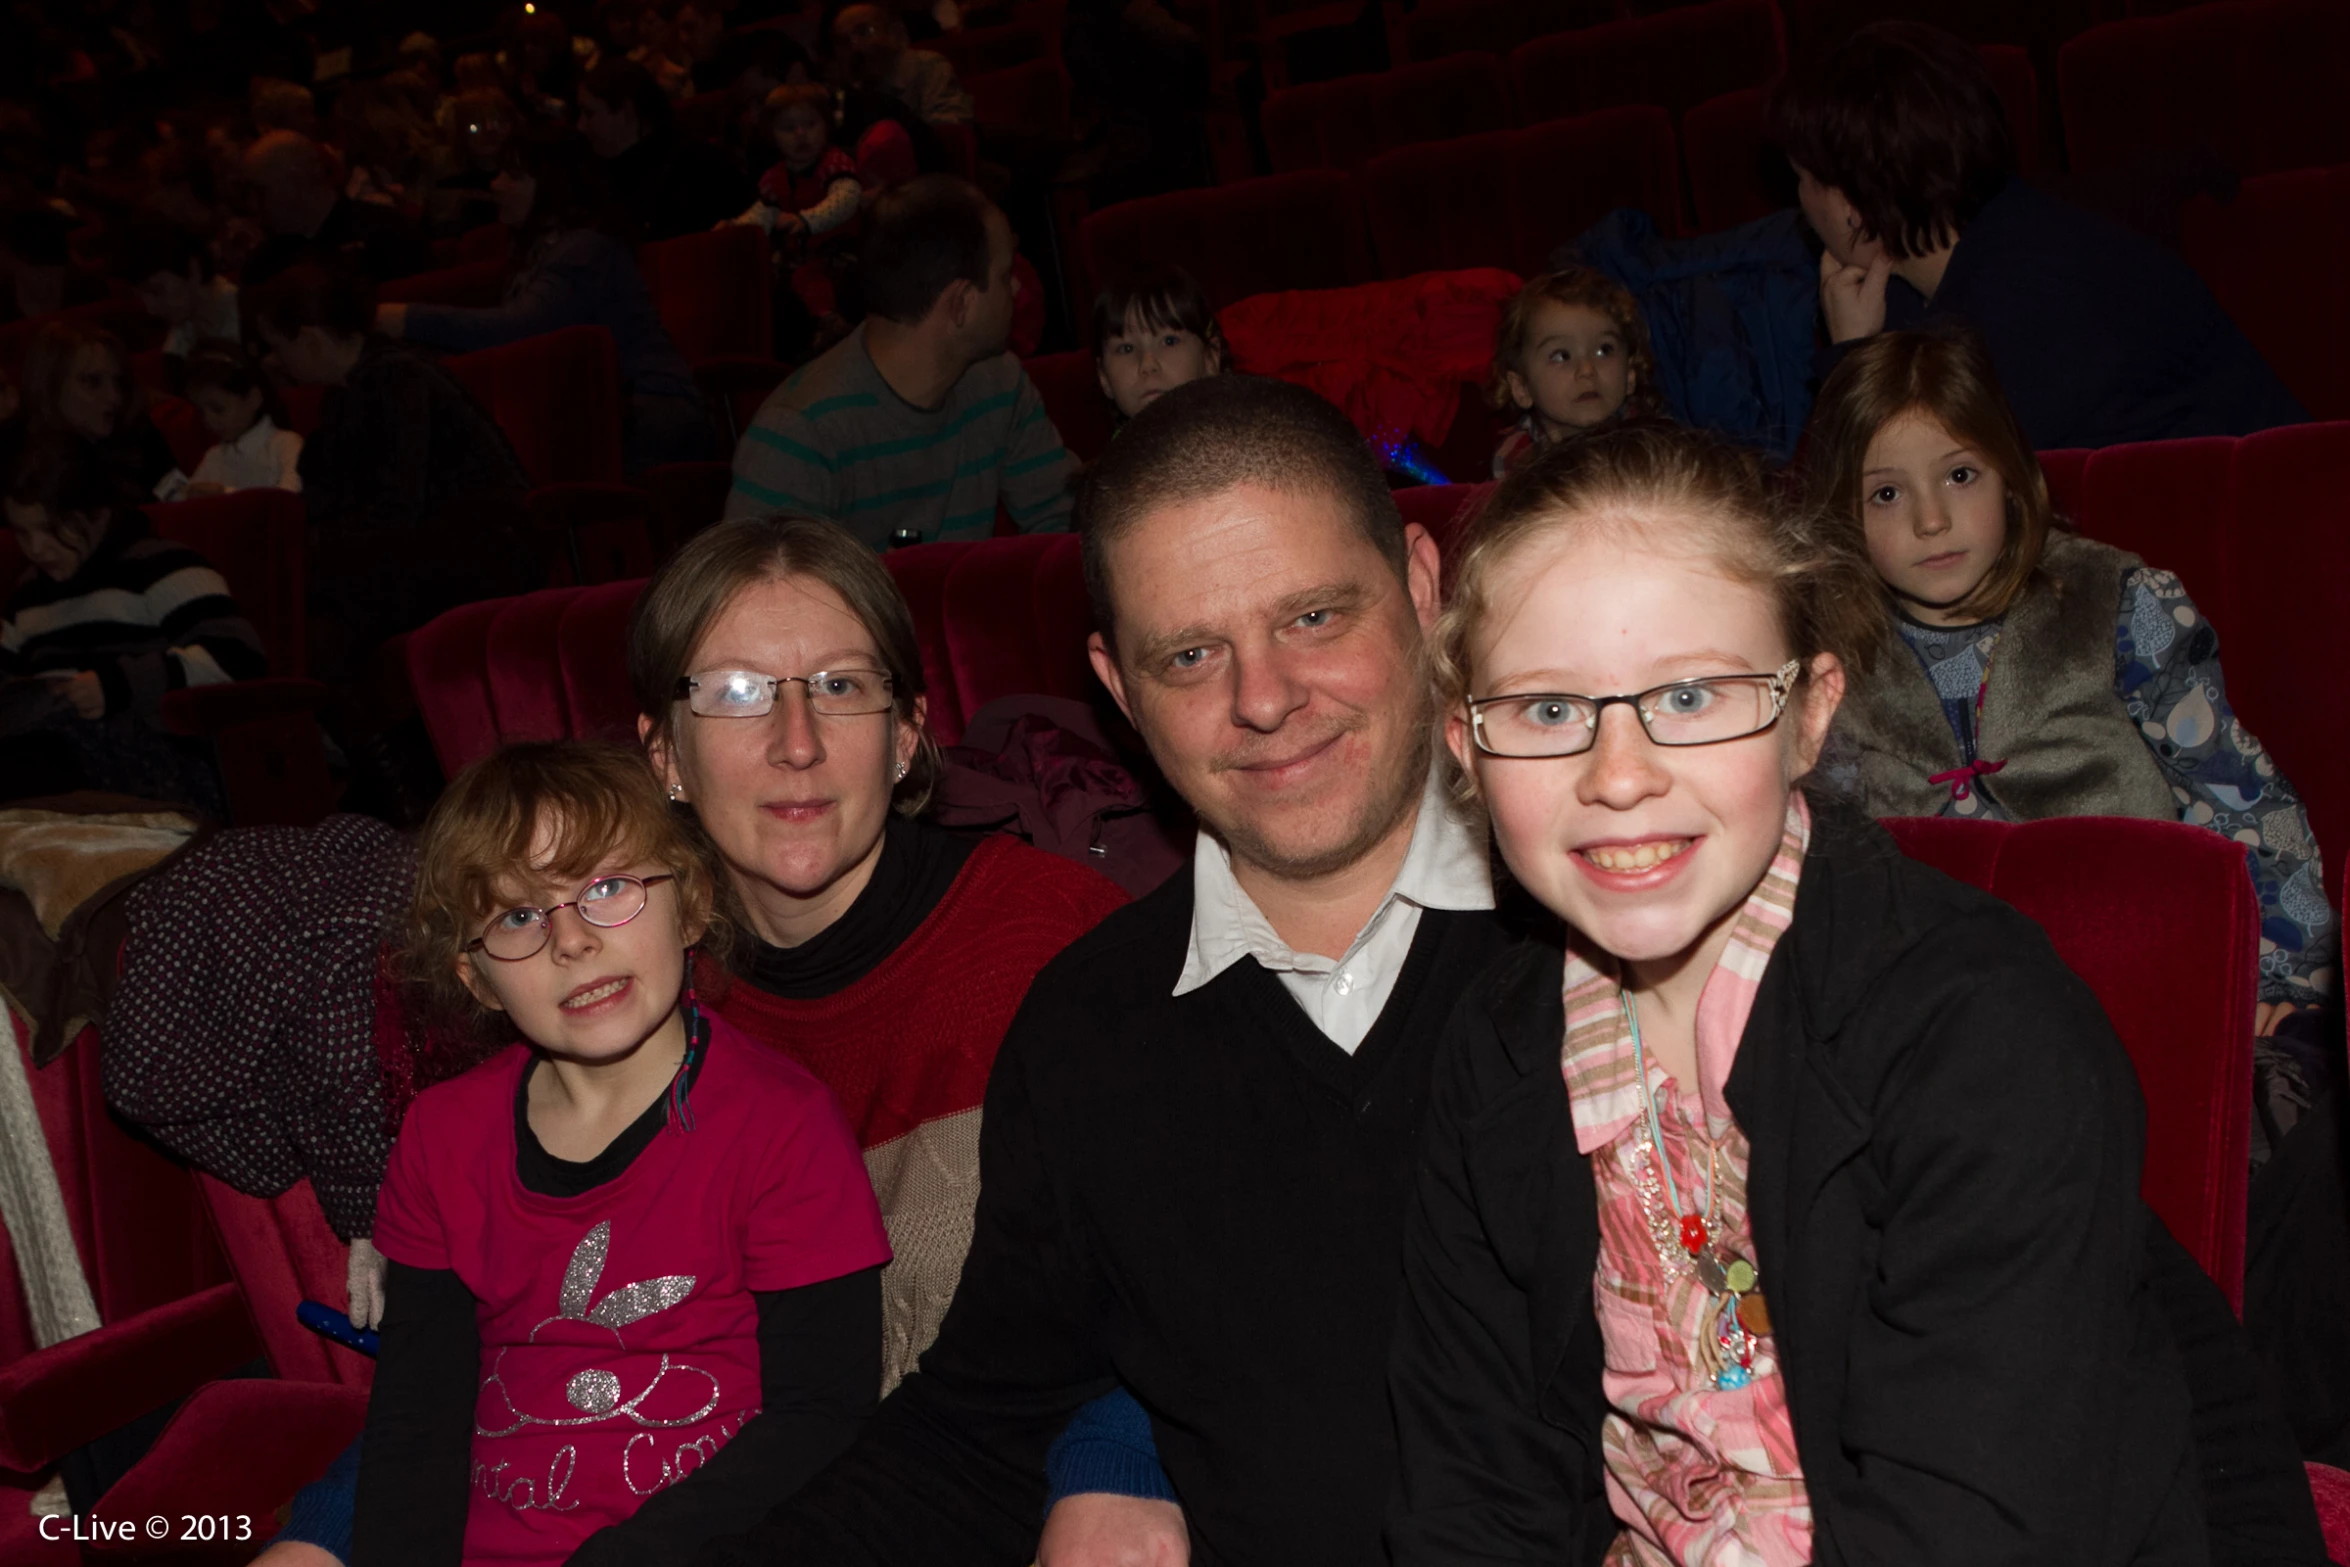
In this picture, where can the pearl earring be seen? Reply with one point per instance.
(901, 772)
(674, 791)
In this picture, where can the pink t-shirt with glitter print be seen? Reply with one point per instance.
(1697, 1474)
(619, 1339)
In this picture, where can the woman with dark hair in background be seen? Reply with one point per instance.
(667, 185)
(571, 271)
(1906, 168)
(76, 380)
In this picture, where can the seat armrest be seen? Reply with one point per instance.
(60, 1398)
(235, 1451)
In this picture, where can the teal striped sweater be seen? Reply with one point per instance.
(835, 440)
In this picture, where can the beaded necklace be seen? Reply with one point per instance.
(1687, 1243)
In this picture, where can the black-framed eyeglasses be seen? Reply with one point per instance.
(606, 903)
(745, 693)
(1708, 711)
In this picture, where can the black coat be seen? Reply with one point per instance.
(1980, 1321)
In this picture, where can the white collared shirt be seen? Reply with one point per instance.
(1444, 868)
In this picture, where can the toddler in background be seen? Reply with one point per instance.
(1571, 354)
(251, 450)
(811, 189)
(1153, 332)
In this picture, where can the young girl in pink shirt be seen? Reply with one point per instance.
(633, 1292)
(1787, 1209)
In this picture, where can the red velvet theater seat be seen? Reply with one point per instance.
(1676, 59)
(2255, 528)
(469, 285)
(1072, 393)
(1022, 108)
(1302, 230)
(2110, 893)
(2273, 258)
(1736, 175)
(1494, 26)
(2259, 81)
(1345, 123)
(712, 292)
(557, 397)
(1509, 198)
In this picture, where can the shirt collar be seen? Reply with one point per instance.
(1445, 867)
(1604, 1092)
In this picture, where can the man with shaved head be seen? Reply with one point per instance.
(293, 187)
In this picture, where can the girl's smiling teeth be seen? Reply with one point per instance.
(603, 992)
(1634, 856)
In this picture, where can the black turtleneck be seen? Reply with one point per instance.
(918, 864)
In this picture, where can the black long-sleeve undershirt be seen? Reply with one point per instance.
(819, 1377)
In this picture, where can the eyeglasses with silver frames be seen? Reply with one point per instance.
(607, 903)
(745, 693)
(1707, 711)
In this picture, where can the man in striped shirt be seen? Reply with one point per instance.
(919, 421)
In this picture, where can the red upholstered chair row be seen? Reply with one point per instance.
(466, 285)
(1343, 124)
(2257, 529)
(1677, 59)
(1502, 199)
(2273, 256)
(1072, 395)
(2259, 81)
(1442, 27)
(1736, 175)
(712, 291)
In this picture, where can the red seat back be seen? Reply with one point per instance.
(1302, 230)
(1072, 393)
(2226, 514)
(469, 285)
(977, 51)
(1345, 123)
(712, 292)
(1028, 102)
(1495, 26)
(1509, 198)
(255, 540)
(557, 397)
(1676, 59)
(283, 1253)
(2160, 921)
(2259, 81)
(2273, 258)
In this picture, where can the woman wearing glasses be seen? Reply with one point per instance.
(780, 683)
(1790, 1212)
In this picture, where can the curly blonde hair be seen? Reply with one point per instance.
(590, 801)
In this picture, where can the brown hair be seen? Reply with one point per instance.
(700, 580)
(1718, 494)
(1593, 290)
(48, 360)
(1203, 438)
(1904, 120)
(223, 364)
(795, 95)
(1165, 297)
(598, 801)
(1946, 376)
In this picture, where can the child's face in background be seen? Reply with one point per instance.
(227, 414)
(169, 296)
(1577, 369)
(1141, 362)
(801, 135)
(1649, 851)
(90, 401)
(1935, 513)
(56, 548)
(593, 993)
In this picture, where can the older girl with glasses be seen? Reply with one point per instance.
(783, 704)
(1787, 1210)
(633, 1292)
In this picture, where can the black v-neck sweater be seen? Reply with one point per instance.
(1198, 1196)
